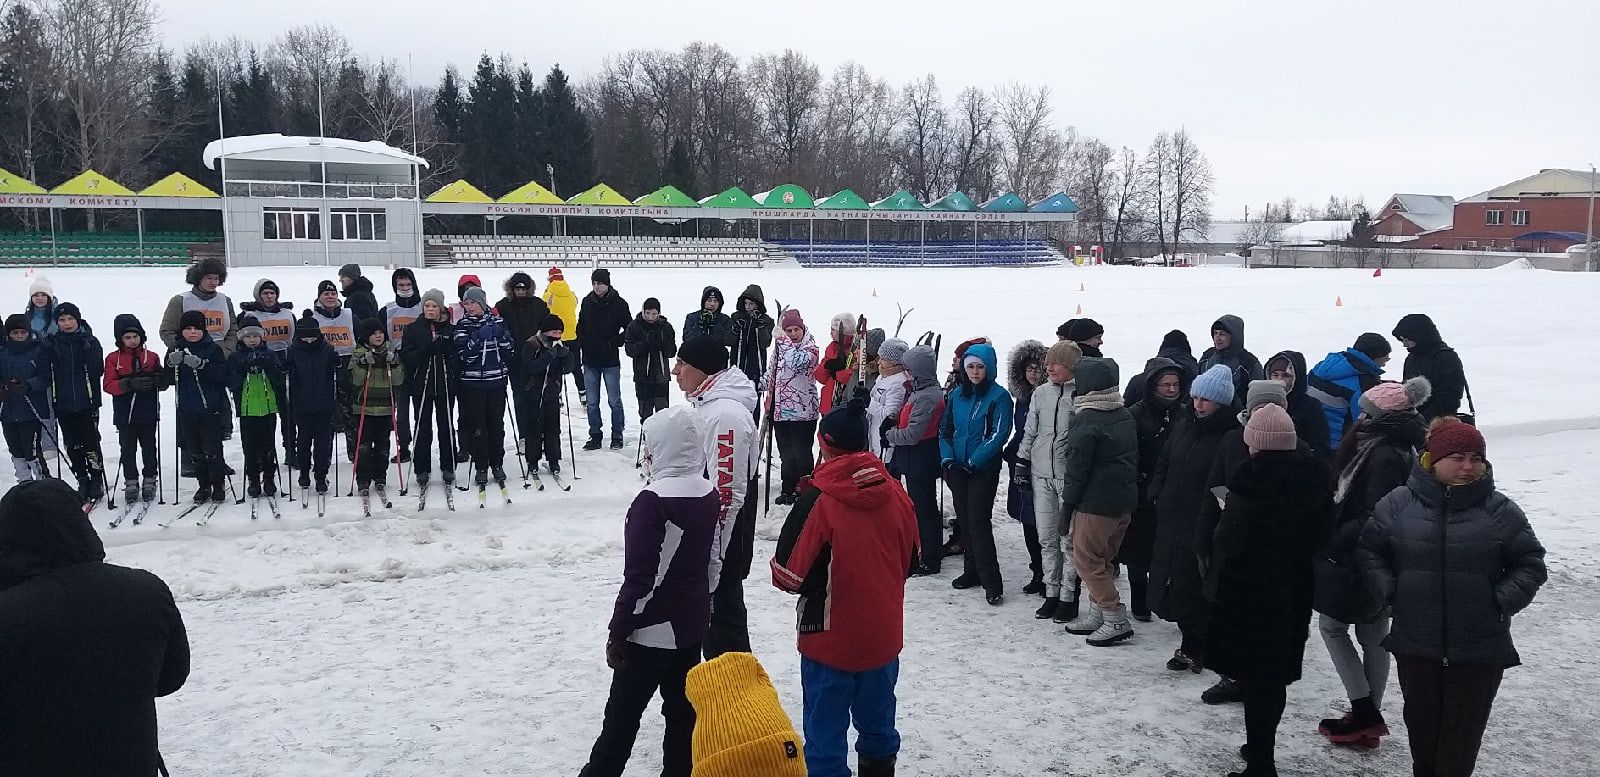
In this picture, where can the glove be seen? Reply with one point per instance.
(616, 654)
(951, 467)
(390, 357)
(883, 432)
(139, 383)
(368, 358)
(193, 362)
(489, 331)
(175, 357)
(1022, 473)
(15, 387)
(763, 321)
(836, 364)
(707, 319)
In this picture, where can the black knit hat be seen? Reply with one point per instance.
(552, 323)
(127, 322)
(351, 271)
(327, 286)
(69, 309)
(192, 319)
(704, 353)
(1374, 345)
(845, 428)
(651, 303)
(600, 275)
(306, 326)
(365, 328)
(1081, 329)
(17, 321)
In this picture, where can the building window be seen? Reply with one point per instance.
(1494, 218)
(290, 224)
(1519, 218)
(358, 224)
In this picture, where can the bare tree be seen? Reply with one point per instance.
(1260, 233)
(383, 108)
(1190, 191)
(973, 163)
(786, 91)
(1093, 186)
(1155, 189)
(923, 153)
(1125, 201)
(857, 129)
(27, 62)
(723, 129)
(1409, 257)
(1030, 148)
(306, 62)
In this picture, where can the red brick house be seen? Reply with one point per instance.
(1547, 211)
(1409, 215)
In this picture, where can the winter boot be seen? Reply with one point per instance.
(1048, 609)
(616, 443)
(1225, 691)
(305, 479)
(1116, 628)
(876, 767)
(785, 498)
(252, 486)
(219, 490)
(963, 582)
(480, 477)
(499, 474)
(130, 490)
(954, 547)
(1087, 623)
(269, 482)
(1034, 586)
(593, 444)
(1066, 611)
(148, 488)
(1363, 726)
(202, 494)
(995, 600)
(1181, 661)
(1257, 770)
(322, 482)
(24, 469)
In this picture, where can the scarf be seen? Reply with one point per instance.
(1367, 440)
(1104, 399)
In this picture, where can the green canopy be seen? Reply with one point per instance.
(732, 198)
(1006, 203)
(1055, 203)
(600, 194)
(785, 195)
(900, 200)
(668, 196)
(954, 201)
(844, 199)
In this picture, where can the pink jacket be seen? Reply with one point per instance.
(796, 390)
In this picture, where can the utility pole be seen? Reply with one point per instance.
(1588, 233)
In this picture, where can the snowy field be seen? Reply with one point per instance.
(471, 643)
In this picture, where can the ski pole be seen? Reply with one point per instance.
(399, 471)
(572, 452)
(161, 491)
(450, 434)
(44, 429)
(355, 461)
(516, 438)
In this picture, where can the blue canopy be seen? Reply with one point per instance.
(1576, 237)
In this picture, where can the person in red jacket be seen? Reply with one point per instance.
(838, 369)
(847, 548)
(133, 377)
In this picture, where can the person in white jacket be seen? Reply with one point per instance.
(726, 402)
(888, 394)
(1044, 446)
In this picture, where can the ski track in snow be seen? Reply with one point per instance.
(472, 642)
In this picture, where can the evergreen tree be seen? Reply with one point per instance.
(529, 150)
(566, 129)
(490, 127)
(253, 99)
(680, 169)
(1362, 232)
(448, 107)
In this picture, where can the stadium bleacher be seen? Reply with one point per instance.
(101, 248)
(933, 253)
(606, 250)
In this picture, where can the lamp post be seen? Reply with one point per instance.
(1588, 233)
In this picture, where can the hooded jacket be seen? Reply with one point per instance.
(256, 378)
(1153, 419)
(651, 346)
(1337, 382)
(540, 373)
(917, 428)
(201, 389)
(1454, 564)
(1179, 489)
(1021, 393)
(522, 316)
(358, 296)
(837, 371)
(310, 373)
(665, 598)
(1244, 364)
(84, 641)
(885, 399)
(29, 362)
(76, 364)
(483, 350)
(1437, 362)
(846, 548)
(1310, 422)
(726, 403)
(130, 406)
(427, 349)
(795, 392)
(601, 323)
(1174, 348)
(978, 421)
(1102, 471)
(749, 336)
(704, 323)
(564, 304)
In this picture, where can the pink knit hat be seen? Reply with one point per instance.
(791, 317)
(1395, 397)
(1270, 429)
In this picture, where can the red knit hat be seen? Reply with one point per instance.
(1449, 436)
(555, 274)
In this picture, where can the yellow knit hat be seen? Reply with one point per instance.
(740, 728)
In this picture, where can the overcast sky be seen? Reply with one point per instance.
(1288, 97)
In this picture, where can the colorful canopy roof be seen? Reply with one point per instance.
(732, 198)
(955, 201)
(1055, 203)
(900, 200)
(599, 194)
(177, 185)
(786, 195)
(91, 183)
(11, 183)
(844, 199)
(459, 191)
(1005, 203)
(668, 196)
(530, 193)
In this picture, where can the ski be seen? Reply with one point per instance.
(90, 505)
(180, 516)
(272, 504)
(483, 495)
(127, 511)
(322, 503)
(144, 509)
(205, 517)
(305, 498)
(561, 482)
(504, 494)
(534, 482)
(383, 498)
(366, 504)
(449, 498)
(422, 497)
(254, 503)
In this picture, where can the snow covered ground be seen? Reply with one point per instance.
(471, 642)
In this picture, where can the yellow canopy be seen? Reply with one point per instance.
(531, 193)
(91, 183)
(601, 194)
(459, 191)
(11, 183)
(177, 185)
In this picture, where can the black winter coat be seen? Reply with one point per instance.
(651, 346)
(76, 364)
(1260, 580)
(28, 362)
(1310, 420)
(521, 316)
(601, 321)
(310, 372)
(85, 646)
(1153, 419)
(1177, 355)
(539, 372)
(704, 323)
(1453, 564)
(1232, 453)
(1437, 362)
(427, 350)
(203, 389)
(750, 337)
(361, 301)
(1179, 490)
(1342, 592)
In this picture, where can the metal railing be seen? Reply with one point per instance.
(315, 191)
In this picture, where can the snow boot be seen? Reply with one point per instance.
(963, 582)
(305, 479)
(480, 477)
(954, 547)
(499, 474)
(1225, 691)
(1088, 622)
(1363, 726)
(876, 767)
(202, 494)
(592, 445)
(616, 443)
(219, 490)
(1115, 628)
(1034, 586)
(24, 468)
(995, 600)
(252, 486)
(1066, 611)
(130, 490)
(322, 483)
(149, 488)
(1181, 661)
(269, 482)
(785, 498)
(1048, 609)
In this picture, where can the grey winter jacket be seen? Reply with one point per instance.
(1453, 564)
(1044, 440)
(918, 420)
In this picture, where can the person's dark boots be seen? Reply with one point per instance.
(1048, 609)
(269, 482)
(1034, 586)
(784, 499)
(876, 767)
(953, 547)
(252, 486)
(219, 491)
(1363, 726)
(963, 582)
(1224, 692)
(1066, 611)
(592, 445)
(616, 443)
(203, 493)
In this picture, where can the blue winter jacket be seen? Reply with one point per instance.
(978, 419)
(28, 362)
(1338, 382)
(484, 349)
(76, 364)
(202, 389)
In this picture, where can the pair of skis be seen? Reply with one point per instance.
(538, 485)
(135, 510)
(272, 506)
(366, 500)
(449, 497)
(210, 509)
(322, 500)
(483, 492)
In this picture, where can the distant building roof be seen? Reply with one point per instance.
(290, 148)
(1315, 232)
(1550, 182)
(1427, 211)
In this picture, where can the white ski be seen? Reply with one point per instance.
(561, 482)
(534, 482)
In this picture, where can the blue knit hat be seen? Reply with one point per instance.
(1216, 384)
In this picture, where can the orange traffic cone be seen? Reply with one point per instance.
(1338, 302)
(1078, 312)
